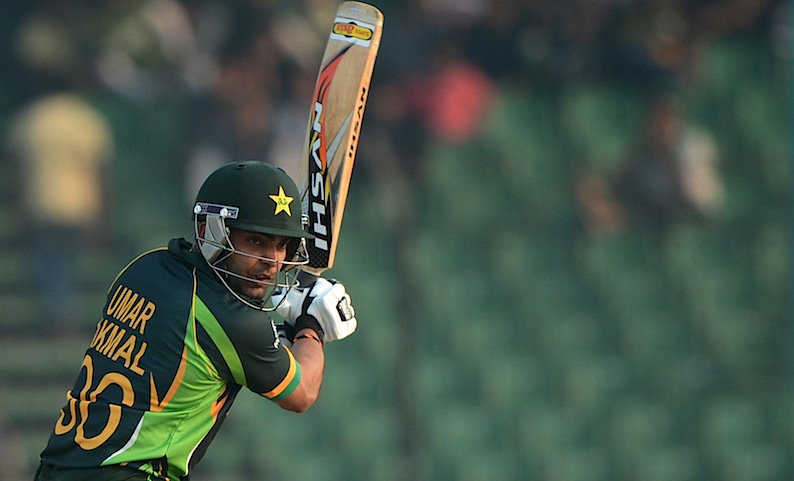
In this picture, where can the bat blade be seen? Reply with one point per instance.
(333, 133)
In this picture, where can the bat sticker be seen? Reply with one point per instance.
(352, 31)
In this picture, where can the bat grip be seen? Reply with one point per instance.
(306, 279)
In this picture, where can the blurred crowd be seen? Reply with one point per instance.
(237, 75)
(240, 73)
(95, 90)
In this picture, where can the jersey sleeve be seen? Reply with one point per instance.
(244, 347)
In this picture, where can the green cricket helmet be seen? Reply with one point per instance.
(256, 197)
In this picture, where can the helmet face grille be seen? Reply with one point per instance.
(216, 246)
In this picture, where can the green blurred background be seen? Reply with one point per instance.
(529, 307)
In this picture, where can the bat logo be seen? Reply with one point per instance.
(320, 200)
(320, 221)
(352, 30)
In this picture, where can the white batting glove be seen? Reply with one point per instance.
(284, 304)
(327, 303)
(287, 306)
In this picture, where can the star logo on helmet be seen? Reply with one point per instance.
(282, 202)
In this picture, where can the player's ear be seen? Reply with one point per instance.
(202, 227)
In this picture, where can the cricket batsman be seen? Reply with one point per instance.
(187, 326)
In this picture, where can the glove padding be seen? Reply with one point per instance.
(284, 303)
(327, 302)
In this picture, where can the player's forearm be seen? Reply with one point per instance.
(308, 351)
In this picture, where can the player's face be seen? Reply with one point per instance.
(270, 247)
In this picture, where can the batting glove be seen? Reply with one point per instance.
(325, 306)
(286, 300)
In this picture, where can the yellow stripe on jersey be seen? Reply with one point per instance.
(155, 404)
(290, 382)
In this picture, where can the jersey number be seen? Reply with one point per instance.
(88, 395)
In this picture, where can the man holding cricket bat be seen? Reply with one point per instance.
(186, 327)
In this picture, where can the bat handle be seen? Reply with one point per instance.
(306, 279)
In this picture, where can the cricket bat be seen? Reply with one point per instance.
(333, 133)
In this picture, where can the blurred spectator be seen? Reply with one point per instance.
(62, 144)
(47, 50)
(300, 35)
(258, 106)
(291, 108)
(234, 120)
(501, 29)
(150, 51)
(456, 96)
(649, 42)
(301, 31)
(674, 175)
(736, 17)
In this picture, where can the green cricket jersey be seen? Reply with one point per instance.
(171, 351)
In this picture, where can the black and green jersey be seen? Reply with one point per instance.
(171, 351)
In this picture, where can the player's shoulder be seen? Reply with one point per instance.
(176, 257)
(161, 268)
